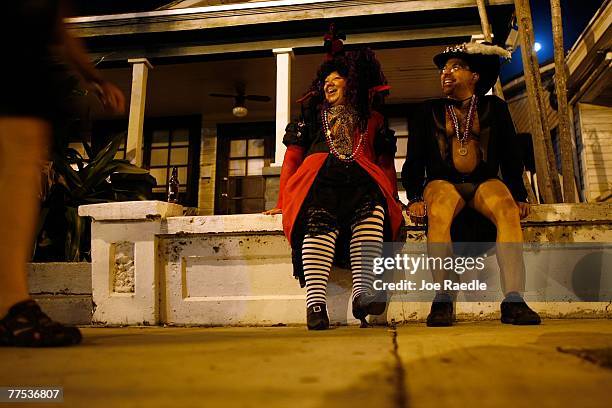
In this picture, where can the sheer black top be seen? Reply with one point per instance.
(428, 149)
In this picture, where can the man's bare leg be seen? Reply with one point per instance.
(443, 204)
(494, 201)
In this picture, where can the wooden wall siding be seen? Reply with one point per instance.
(580, 152)
(596, 132)
(519, 109)
(208, 158)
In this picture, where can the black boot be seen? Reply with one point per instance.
(369, 304)
(316, 317)
(514, 310)
(441, 313)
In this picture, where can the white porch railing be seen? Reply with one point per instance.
(152, 266)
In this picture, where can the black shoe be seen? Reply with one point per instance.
(26, 325)
(316, 317)
(441, 313)
(514, 310)
(369, 304)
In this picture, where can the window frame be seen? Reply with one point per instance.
(193, 123)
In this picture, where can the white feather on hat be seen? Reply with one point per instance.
(486, 49)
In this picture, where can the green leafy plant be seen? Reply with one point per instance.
(73, 181)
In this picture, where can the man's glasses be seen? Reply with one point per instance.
(448, 69)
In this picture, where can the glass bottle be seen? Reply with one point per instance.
(173, 186)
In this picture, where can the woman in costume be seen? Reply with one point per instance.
(338, 183)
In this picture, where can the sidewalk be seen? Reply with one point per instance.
(470, 365)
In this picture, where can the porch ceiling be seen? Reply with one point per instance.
(254, 13)
(171, 36)
(599, 89)
(182, 89)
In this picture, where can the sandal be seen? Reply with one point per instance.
(26, 325)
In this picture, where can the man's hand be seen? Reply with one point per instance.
(417, 212)
(524, 209)
(273, 211)
(112, 98)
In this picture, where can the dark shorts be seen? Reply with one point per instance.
(467, 184)
(467, 190)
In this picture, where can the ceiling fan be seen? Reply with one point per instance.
(240, 98)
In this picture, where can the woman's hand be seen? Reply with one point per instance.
(417, 212)
(112, 98)
(524, 209)
(273, 211)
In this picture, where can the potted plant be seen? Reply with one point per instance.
(73, 181)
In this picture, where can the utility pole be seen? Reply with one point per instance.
(499, 92)
(564, 134)
(486, 31)
(546, 168)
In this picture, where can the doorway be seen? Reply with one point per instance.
(243, 150)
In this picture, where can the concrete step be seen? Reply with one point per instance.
(67, 309)
(236, 270)
(63, 290)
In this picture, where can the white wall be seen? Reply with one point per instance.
(595, 129)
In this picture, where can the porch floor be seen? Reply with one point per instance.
(470, 364)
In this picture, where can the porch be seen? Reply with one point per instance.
(170, 61)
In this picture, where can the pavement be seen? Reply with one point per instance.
(472, 364)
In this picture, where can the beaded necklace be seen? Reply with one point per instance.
(469, 121)
(330, 142)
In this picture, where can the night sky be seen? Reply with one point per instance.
(576, 15)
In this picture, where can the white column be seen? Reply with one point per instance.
(124, 266)
(283, 99)
(140, 72)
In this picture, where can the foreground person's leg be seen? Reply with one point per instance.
(23, 146)
(494, 201)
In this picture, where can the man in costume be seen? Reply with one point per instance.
(456, 148)
(338, 184)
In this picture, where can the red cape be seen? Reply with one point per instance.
(299, 183)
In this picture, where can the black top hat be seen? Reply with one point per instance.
(482, 58)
